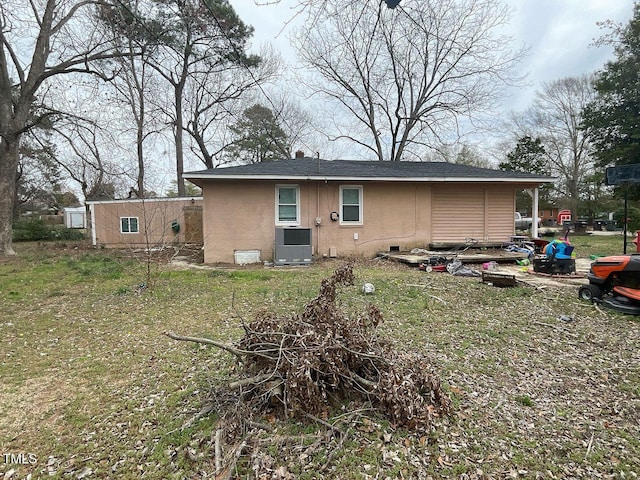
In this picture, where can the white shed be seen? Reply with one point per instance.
(75, 217)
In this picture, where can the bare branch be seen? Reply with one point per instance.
(206, 341)
(406, 75)
(250, 381)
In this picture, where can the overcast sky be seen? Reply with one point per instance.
(559, 34)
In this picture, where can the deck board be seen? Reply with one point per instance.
(498, 256)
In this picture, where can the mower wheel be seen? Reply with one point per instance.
(589, 292)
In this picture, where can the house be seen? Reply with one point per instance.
(145, 223)
(355, 207)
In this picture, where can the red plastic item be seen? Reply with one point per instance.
(627, 292)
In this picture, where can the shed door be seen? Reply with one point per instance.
(501, 203)
(462, 212)
(458, 213)
(76, 219)
(193, 224)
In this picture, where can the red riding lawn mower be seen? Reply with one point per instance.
(615, 283)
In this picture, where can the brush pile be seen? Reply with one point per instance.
(306, 364)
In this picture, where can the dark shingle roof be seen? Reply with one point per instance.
(317, 169)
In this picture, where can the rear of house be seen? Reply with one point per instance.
(348, 208)
(146, 223)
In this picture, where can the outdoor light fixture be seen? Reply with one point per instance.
(392, 3)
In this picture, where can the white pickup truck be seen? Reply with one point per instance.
(524, 223)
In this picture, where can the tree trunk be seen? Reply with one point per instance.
(178, 138)
(140, 155)
(25, 55)
(8, 167)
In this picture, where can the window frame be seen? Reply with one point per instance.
(360, 204)
(137, 220)
(278, 204)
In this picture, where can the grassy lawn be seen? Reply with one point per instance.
(92, 388)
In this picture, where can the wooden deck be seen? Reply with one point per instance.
(468, 256)
(472, 244)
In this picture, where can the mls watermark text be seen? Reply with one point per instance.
(19, 458)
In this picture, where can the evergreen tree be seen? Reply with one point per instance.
(258, 137)
(191, 190)
(613, 118)
(528, 156)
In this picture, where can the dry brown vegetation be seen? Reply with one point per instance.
(308, 365)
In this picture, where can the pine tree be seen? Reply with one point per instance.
(258, 137)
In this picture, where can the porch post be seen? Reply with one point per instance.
(534, 214)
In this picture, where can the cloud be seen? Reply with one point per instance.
(560, 35)
(271, 22)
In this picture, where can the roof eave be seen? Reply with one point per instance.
(143, 200)
(289, 178)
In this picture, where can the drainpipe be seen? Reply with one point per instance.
(318, 217)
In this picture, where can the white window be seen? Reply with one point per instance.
(287, 204)
(129, 225)
(351, 205)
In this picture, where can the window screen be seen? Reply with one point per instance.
(351, 204)
(288, 204)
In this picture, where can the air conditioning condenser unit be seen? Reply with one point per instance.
(293, 246)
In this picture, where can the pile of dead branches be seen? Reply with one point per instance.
(304, 364)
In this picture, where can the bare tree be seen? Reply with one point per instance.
(194, 37)
(556, 117)
(132, 77)
(39, 40)
(38, 175)
(83, 159)
(403, 77)
(296, 120)
(213, 98)
(134, 85)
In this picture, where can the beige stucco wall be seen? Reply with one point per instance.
(154, 221)
(242, 216)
